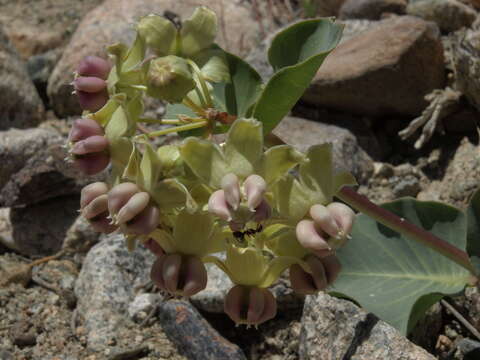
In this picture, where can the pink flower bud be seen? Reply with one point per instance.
(119, 196)
(255, 187)
(217, 205)
(94, 208)
(250, 305)
(179, 275)
(145, 222)
(90, 147)
(92, 101)
(262, 212)
(231, 188)
(89, 84)
(94, 66)
(310, 238)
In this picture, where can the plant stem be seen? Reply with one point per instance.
(173, 129)
(400, 225)
(191, 104)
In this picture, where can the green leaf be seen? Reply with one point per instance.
(296, 54)
(171, 193)
(239, 95)
(473, 232)
(395, 277)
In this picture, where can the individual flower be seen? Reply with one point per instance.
(90, 83)
(250, 305)
(88, 147)
(239, 173)
(94, 207)
(181, 270)
(131, 209)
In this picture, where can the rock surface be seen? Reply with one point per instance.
(347, 155)
(105, 287)
(450, 15)
(21, 106)
(327, 7)
(386, 70)
(460, 178)
(111, 22)
(466, 62)
(40, 229)
(371, 9)
(193, 335)
(337, 329)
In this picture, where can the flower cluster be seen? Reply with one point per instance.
(267, 209)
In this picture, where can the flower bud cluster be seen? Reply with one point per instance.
(265, 209)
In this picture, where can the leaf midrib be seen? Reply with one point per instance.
(442, 279)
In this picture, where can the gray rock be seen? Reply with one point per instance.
(21, 106)
(81, 236)
(212, 297)
(470, 349)
(112, 21)
(327, 7)
(40, 229)
(347, 155)
(39, 68)
(406, 186)
(39, 172)
(383, 71)
(450, 15)
(466, 63)
(17, 146)
(193, 335)
(105, 287)
(142, 305)
(371, 9)
(337, 329)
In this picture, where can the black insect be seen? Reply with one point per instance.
(240, 235)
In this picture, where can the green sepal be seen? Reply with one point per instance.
(150, 168)
(158, 33)
(198, 32)
(171, 194)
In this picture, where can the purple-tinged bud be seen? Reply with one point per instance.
(134, 206)
(262, 212)
(119, 196)
(179, 275)
(154, 247)
(92, 144)
(309, 238)
(250, 305)
(91, 192)
(84, 128)
(217, 205)
(130, 207)
(145, 222)
(92, 101)
(89, 84)
(231, 187)
(324, 220)
(324, 271)
(92, 164)
(343, 215)
(94, 66)
(94, 208)
(255, 187)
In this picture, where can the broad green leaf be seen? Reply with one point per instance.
(237, 96)
(213, 64)
(296, 54)
(473, 234)
(244, 146)
(173, 110)
(395, 277)
(199, 31)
